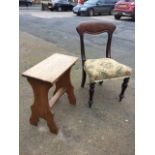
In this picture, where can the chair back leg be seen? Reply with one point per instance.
(124, 86)
(91, 94)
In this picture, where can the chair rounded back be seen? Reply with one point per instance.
(95, 28)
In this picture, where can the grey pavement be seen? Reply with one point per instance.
(107, 128)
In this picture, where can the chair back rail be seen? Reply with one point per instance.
(95, 28)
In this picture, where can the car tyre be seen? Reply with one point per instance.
(117, 17)
(91, 12)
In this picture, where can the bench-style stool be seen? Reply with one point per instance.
(53, 71)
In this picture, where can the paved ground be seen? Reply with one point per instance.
(107, 128)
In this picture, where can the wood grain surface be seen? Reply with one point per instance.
(51, 68)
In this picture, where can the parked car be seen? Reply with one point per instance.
(25, 2)
(124, 8)
(81, 1)
(58, 5)
(93, 7)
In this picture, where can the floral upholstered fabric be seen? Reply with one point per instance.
(105, 68)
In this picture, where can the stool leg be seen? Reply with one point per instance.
(65, 82)
(91, 94)
(124, 86)
(40, 108)
(70, 88)
(50, 122)
(34, 116)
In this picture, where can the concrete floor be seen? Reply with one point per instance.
(105, 129)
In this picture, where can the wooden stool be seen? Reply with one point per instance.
(55, 70)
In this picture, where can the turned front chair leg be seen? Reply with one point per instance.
(83, 78)
(91, 94)
(124, 86)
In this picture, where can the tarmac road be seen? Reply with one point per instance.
(59, 28)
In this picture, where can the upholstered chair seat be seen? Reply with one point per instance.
(105, 68)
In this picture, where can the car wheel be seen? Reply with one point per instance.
(91, 12)
(59, 8)
(117, 17)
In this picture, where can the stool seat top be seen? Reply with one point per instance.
(50, 69)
